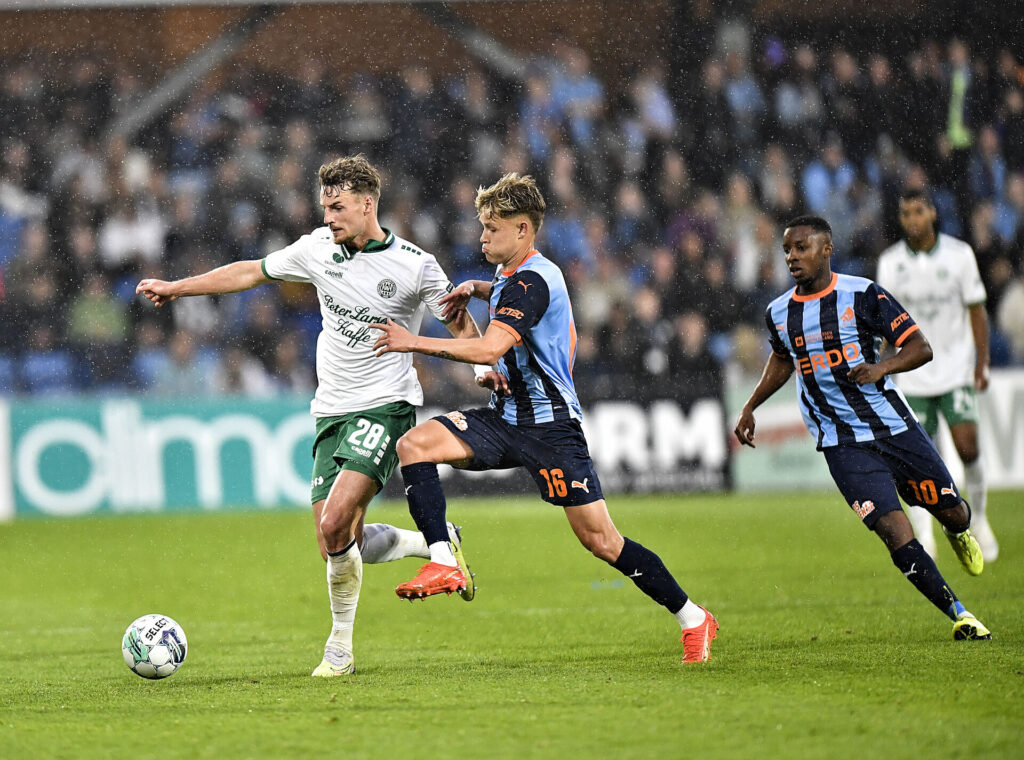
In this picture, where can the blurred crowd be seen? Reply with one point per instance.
(666, 197)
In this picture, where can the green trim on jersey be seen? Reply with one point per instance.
(363, 441)
(958, 406)
(914, 252)
(268, 275)
(372, 246)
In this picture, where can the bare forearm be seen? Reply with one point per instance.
(230, 278)
(463, 326)
(915, 352)
(481, 289)
(468, 350)
(979, 327)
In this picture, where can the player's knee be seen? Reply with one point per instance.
(960, 518)
(412, 447)
(335, 526)
(602, 546)
(969, 453)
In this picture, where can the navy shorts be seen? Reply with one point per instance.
(554, 453)
(872, 473)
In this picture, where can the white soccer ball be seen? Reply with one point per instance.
(154, 646)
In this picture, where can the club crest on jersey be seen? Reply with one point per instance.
(847, 315)
(863, 509)
(458, 419)
(338, 258)
(387, 288)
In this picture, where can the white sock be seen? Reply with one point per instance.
(977, 490)
(386, 543)
(441, 553)
(924, 530)
(344, 579)
(690, 615)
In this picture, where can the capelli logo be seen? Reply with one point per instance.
(332, 273)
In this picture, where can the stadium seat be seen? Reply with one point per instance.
(10, 236)
(49, 372)
(8, 376)
(148, 366)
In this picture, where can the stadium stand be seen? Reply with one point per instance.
(666, 193)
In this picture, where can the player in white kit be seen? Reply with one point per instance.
(363, 274)
(936, 278)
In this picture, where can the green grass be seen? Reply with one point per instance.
(825, 650)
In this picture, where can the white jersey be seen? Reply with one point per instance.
(936, 287)
(390, 279)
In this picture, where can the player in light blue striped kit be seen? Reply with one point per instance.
(535, 424)
(825, 330)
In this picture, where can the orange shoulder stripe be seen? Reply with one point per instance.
(506, 328)
(907, 334)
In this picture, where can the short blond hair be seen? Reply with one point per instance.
(512, 195)
(352, 174)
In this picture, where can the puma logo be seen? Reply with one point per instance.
(949, 491)
(526, 286)
(583, 485)
(911, 571)
(636, 574)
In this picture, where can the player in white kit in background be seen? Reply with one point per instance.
(935, 276)
(363, 274)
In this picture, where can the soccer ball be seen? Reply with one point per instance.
(154, 646)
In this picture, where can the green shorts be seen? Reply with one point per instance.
(361, 441)
(957, 406)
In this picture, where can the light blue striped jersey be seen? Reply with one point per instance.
(532, 303)
(827, 333)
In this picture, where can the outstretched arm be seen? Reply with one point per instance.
(230, 278)
(464, 326)
(483, 350)
(776, 372)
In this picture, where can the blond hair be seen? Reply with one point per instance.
(512, 195)
(351, 174)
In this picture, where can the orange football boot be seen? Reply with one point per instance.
(433, 578)
(697, 640)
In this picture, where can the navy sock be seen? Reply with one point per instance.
(919, 568)
(648, 572)
(426, 500)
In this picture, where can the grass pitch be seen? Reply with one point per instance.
(825, 650)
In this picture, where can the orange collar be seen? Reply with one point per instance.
(510, 272)
(821, 293)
